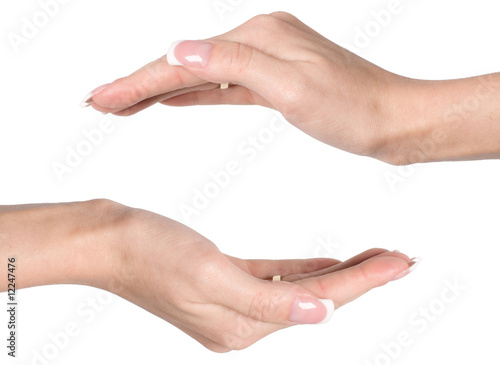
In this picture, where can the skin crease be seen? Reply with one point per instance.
(330, 93)
(223, 302)
(323, 89)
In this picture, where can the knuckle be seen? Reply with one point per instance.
(130, 93)
(239, 58)
(268, 24)
(309, 265)
(365, 274)
(263, 307)
(322, 287)
(283, 15)
(263, 20)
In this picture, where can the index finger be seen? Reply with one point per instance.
(155, 78)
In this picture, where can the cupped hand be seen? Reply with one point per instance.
(227, 303)
(275, 61)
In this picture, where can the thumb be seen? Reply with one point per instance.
(281, 303)
(220, 61)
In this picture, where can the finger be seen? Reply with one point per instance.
(236, 63)
(348, 263)
(234, 95)
(284, 302)
(346, 285)
(343, 286)
(266, 269)
(156, 99)
(280, 303)
(157, 77)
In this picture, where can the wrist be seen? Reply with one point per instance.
(102, 237)
(408, 124)
(441, 120)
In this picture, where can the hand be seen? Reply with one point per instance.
(274, 61)
(171, 271)
(328, 92)
(227, 303)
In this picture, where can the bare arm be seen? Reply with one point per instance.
(173, 272)
(57, 243)
(326, 91)
(445, 120)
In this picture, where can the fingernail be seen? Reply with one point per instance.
(87, 100)
(311, 311)
(189, 53)
(412, 265)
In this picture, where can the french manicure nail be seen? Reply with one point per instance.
(189, 53)
(87, 100)
(311, 311)
(412, 265)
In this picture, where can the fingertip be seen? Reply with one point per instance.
(412, 265)
(118, 95)
(89, 98)
(100, 100)
(384, 268)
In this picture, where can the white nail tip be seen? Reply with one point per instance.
(414, 263)
(330, 308)
(85, 102)
(171, 59)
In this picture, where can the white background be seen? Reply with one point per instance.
(298, 198)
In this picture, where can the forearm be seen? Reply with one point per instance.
(444, 120)
(59, 243)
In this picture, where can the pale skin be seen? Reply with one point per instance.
(166, 268)
(328, 92)
(333, 95)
